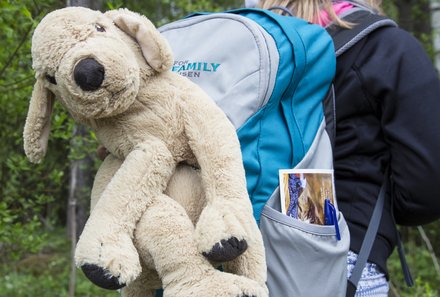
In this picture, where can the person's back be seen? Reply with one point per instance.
(387, 102)
(387, 107)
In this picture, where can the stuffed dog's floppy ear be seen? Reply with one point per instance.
(37, 127)
(154, 46)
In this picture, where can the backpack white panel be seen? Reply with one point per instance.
(231, 57)
(319, 156)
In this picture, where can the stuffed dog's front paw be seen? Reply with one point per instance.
(110, 264)
(221, 234)
(226, 250)
(100, 277)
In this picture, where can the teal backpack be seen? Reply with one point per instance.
(272, 76)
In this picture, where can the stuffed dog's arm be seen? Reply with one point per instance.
(214, 142)
(106, 241)
(227, 219)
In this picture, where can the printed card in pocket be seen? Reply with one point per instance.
(303, 194)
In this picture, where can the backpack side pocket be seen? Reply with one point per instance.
(303, 259)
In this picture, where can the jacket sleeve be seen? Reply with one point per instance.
(405, 85)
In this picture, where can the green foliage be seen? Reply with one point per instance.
(27, 191)
(390, 9)
(161, 12)
(414, 16)
(426, 278)
(46, 274)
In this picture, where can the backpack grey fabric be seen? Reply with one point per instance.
(303, 259)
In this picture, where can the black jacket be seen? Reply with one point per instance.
(387, 112)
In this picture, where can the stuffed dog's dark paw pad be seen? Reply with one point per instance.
(226, 250)
(101, 277)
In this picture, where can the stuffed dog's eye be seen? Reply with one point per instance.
(51, 79)
(99, 28)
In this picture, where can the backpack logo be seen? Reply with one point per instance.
(194, 69)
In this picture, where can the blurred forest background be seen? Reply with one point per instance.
(44, 207)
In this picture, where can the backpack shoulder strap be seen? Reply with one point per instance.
(364, 22)
(367, 243)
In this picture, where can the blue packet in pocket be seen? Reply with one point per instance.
(330, 217)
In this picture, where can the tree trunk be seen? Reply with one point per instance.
(81, 180)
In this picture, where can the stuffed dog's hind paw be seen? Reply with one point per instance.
(214, 284)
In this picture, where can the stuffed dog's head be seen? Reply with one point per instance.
(91, 63)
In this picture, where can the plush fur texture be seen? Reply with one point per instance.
(152, 219)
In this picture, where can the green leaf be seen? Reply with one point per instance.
(26, 12)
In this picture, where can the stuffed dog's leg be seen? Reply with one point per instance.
(170, 239)
(105, 173)
(105, 249)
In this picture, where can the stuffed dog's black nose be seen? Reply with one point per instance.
(89, 74)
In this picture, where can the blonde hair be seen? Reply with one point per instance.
(310, 10)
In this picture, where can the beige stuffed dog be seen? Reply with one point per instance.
(155, 222)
